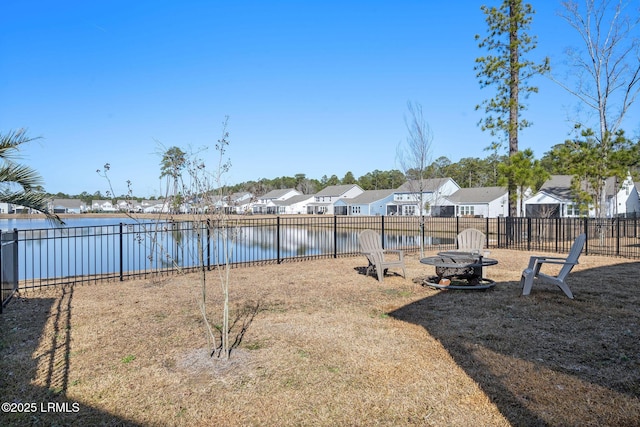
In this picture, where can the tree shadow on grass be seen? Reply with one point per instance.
(35, 343)
(545, 359)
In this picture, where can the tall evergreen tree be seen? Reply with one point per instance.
(506, 68)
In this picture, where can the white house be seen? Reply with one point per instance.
(370, 202)
(241, 202)
(293, 205)
(485, 202)
(324, 200)
(15, 209)
(407, 198)
(103, 206)
(265, 203)
(157, 206)
(622, 199)
(555, 199)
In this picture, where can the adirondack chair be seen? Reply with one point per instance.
(470, 240)
(473, 240)
(535, 262)
(371, 247)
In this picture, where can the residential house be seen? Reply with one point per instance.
(67, 206)
(407, 198)
(370, 202)
(485, 202)
(324, 200)
(293, 205)
(265, 203)
(103, 206)
(622, 199)
(556, 199)
(10, 208)
(157, 206)
(240, 202)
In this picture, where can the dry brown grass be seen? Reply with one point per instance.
(330, 346)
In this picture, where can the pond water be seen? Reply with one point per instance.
(7, 224)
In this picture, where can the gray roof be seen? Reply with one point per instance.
(559, 186)
(477, 194)
(370, 196)
(612, 186)
(68, 203)
(240, 195)
(293, 200)
(413, 186)
(276, 194)
(335, 190)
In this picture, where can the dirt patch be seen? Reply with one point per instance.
(201, 362)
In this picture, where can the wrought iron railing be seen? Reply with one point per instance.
(56, 256)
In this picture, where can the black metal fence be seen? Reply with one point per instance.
(43, 257)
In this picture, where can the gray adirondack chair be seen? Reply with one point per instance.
(535, 262)
(371, 246)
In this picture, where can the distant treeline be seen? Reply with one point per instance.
(468, 172)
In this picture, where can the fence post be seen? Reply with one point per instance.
(335, 236)
(278, 239)
(9, 269)
(529, 233)
(586, 233)
(121, 255)
(208, 244)
(486, 228)
(617, 220)
(382, 229)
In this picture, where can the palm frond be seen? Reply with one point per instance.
(32, 200)
(10, 143)
(18, 182)
(24, 176)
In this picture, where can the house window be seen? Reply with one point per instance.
(574, 210)
(465, 210)
(355, 209)
(410, 210)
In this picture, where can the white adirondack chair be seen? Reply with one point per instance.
(371, 247)
(471, 240)
(535, 262)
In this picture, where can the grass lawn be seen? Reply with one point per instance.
(329, 346)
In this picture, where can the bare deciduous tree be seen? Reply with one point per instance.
(206, 198)
(415, 157)
(606, 72)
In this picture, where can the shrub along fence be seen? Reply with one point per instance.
(55, 256)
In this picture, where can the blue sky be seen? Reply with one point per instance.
(314, 87)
